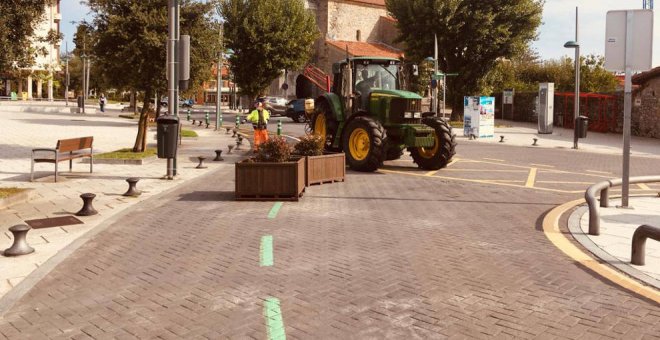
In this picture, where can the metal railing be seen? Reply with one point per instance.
(638, 251)
(602, 188)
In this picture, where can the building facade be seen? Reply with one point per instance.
(46, 63)
(646, 104)
(359, 27)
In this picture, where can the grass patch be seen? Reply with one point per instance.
(6, 192)
(188, 133)
(127, 154)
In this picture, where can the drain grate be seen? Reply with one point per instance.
(53, 222)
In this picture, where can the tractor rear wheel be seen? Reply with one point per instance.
(444, 148)
(363, 142)
(323, 125)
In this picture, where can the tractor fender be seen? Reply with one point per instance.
(334, 103)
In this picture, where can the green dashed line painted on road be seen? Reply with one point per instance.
(266, 251)
(274, 320)
(274, 210)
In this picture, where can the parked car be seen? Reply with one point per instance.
(276, 105)
(182, 102)
(295, 110)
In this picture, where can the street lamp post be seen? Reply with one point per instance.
(218, 109)
(576, 110)
(66, 76)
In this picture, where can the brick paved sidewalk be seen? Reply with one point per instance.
(379, 256)
(27, 130)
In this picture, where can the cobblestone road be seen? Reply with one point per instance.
(379, 256)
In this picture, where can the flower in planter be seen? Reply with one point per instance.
(309, 145)
(274, 150)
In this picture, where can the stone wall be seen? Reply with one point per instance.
(345, 18)
(646, 110)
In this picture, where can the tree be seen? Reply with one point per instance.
(130, 40)
(16, 30)
(472, 36)
(266, 37)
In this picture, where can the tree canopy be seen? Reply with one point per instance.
(130, 39)
(266, 37)
(472, 35)
(18, 19)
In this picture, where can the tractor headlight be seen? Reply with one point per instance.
(417, 115)
(408, 115)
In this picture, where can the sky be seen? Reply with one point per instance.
(557, 28)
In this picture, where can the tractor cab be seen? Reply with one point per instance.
(355, 80)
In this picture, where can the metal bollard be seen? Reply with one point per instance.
(230, 147)
(235, 132)
(218, 156)
(227, 129)
(535, 140)
(279, 127)
(188, 115)
(238, 122)
(200, 123)
(193, 121)
(201, 162)
(206, 119)
(640, 235)
(88, 208)
(132, 190)
(20, 246)
(501, 139)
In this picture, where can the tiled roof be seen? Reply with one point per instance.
(388, 18)
(365, 49)
(371, 2)
(643, 77)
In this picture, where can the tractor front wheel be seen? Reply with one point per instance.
(323, 125)
(440, 154)
(363, 142)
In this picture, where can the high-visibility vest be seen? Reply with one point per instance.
(254, 118)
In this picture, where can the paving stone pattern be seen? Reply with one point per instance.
(379, 256)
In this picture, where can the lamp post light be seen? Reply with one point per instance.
(576, 111)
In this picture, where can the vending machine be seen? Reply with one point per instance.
(546, 109)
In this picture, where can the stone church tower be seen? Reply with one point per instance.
(363, 27)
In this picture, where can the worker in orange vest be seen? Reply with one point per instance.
(259, 119)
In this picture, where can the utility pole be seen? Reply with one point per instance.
(66, 77)
(435, 72)
(218, 100)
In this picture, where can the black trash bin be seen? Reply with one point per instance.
(583, 125)
(81, 101)
(167, 135)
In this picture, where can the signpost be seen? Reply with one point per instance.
(628, 47)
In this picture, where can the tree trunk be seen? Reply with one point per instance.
(141, 138)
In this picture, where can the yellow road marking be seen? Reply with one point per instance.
(495, 159)
(502, 181)
(483, 170)
(478, 181)
(599, 172)
(552, 232)
(531, 178)
(542, 165)
(431, 173)
(453, 161)
(643, 186)
(564, 182)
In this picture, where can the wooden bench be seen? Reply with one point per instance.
(66, 149)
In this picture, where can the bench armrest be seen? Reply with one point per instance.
(44, 149)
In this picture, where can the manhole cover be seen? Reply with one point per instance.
(53, 222)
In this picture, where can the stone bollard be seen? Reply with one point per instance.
(230, 147)
(535, 140)
(201, 162)
(20, 246)
(501, 139)
(88, 208)
(132, 191)
(218, 156)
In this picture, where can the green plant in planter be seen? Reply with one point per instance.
(274, 150)
(309, 145)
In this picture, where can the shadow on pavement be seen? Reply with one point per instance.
(79, 122)
(207, 196)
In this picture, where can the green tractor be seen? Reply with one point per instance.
(371, 119)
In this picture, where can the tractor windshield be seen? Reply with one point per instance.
(376, 76)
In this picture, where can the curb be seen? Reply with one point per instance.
(20, 197)
(559, 240)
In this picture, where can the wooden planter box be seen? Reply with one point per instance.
(327, 168)
(270, 181)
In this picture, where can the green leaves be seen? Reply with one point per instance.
(472, 35)
(267, 36)
(18, 19)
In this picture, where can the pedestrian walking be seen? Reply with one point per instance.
(102, 101)
(259, 119)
